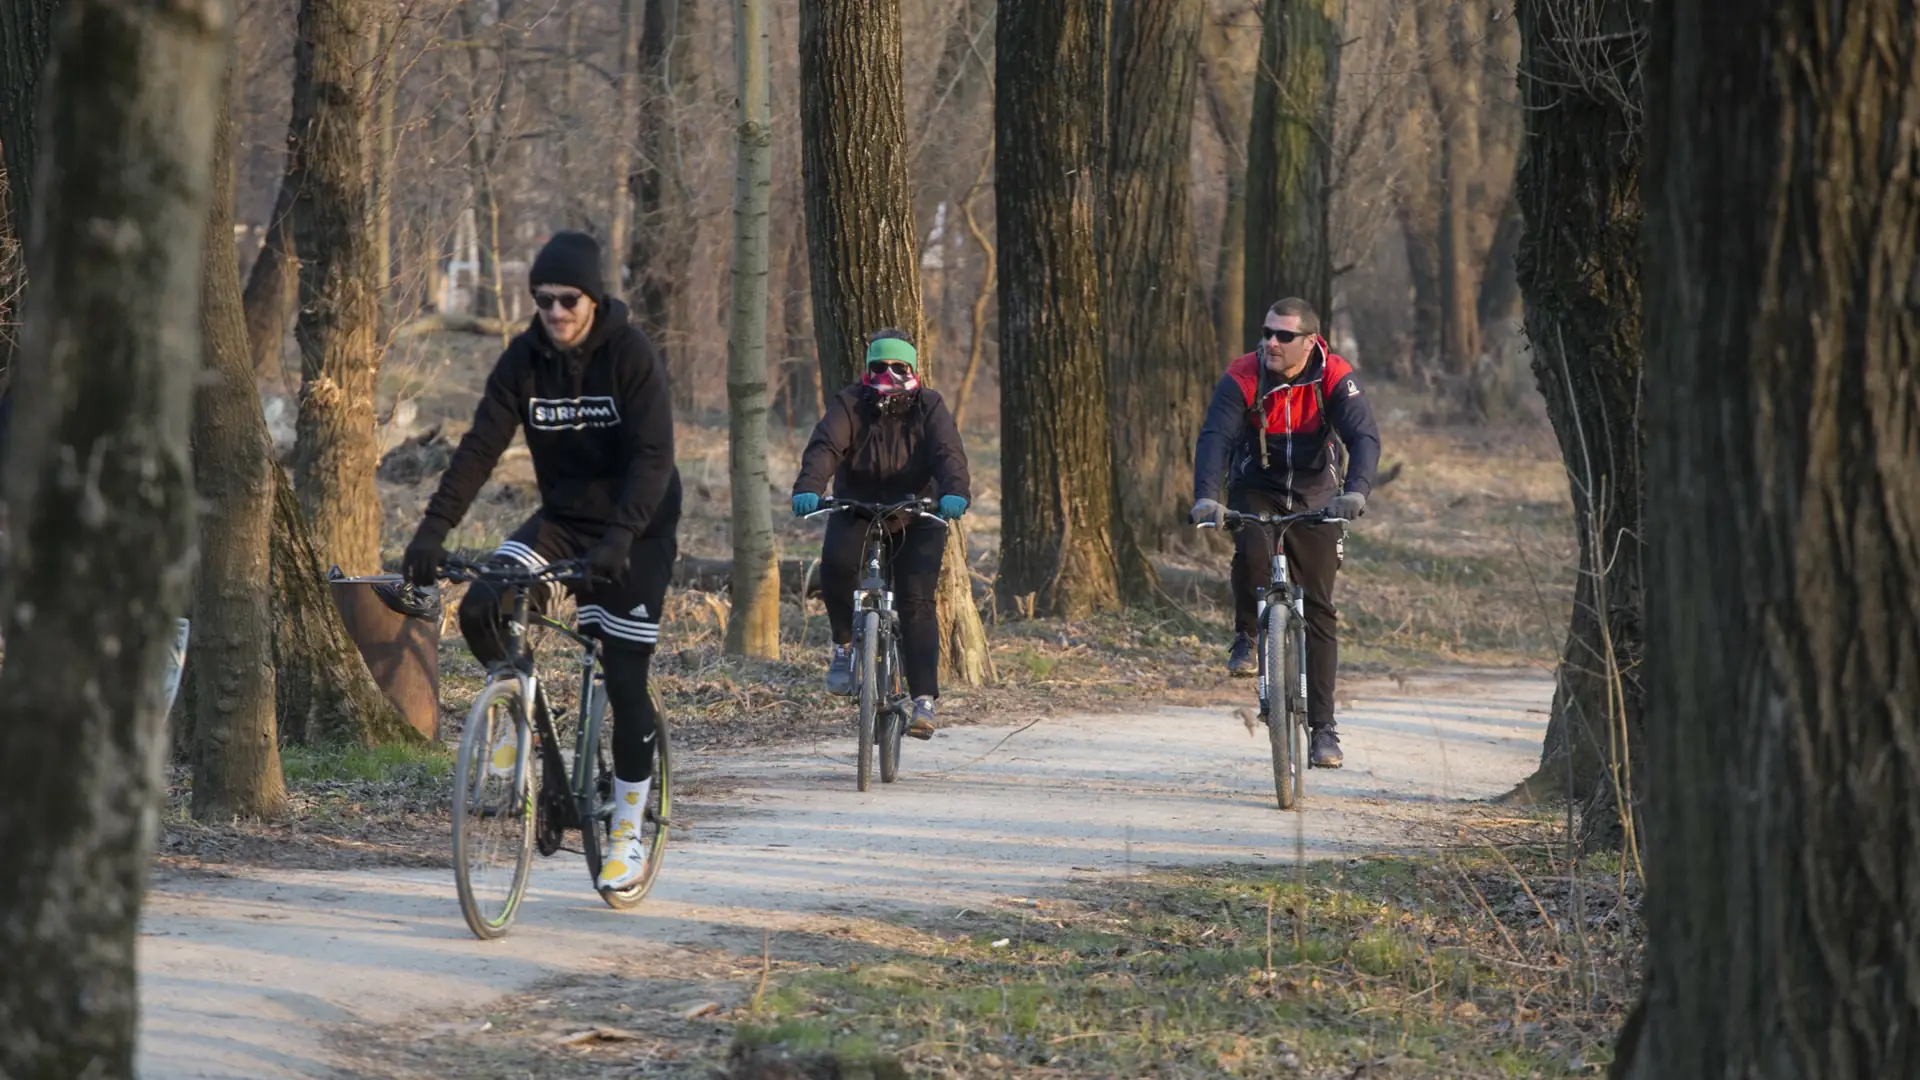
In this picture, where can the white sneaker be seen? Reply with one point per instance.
(506, 753)
(628, 861)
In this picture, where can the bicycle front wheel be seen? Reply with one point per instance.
(893, 721)
(868, 677)
(1281, 730)
(493, 809)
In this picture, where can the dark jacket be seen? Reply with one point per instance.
(1300, 417)
(599, 425)
(873, 456)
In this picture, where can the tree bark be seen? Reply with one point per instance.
(1160, 353)
(386, 150)
(1783, 570)
(753, 625)
(1579, 266)
(862, 241)
(26, 32)
(273, 283)
(1229, 88)
(661, 249)
(977, 338)
(100, 489)
(339, 309)
(1455, 29)
(235, 748)
(626, 92)
(1056, 549)
(483, 151)
(1290, 160)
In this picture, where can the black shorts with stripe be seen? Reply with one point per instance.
(624, 613)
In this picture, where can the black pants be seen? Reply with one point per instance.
(624, 615)
(914, 558)
(1313, 556)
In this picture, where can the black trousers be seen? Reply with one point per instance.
(913, 555)
(624, 615)
(1313, 556)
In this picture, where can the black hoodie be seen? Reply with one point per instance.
(599, 425)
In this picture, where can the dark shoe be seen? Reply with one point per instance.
(840, 671)
(923, 726)
(1324, 751)
(1240, 661)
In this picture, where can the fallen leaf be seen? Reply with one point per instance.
(699, 1009)
(599, 1034)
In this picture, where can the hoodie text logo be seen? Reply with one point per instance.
(572, 414)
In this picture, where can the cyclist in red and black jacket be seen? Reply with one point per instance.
(591, 394)
(1270, 432)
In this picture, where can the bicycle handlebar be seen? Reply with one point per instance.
(1235, 517)
(880, 511)
(458, 570)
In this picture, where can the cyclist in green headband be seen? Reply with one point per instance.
(886, 439)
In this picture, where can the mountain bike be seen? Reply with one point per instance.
(1282, 649)
(562, 775)
(877, 675)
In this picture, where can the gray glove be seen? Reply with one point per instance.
(1208, 512)
(1347, 506)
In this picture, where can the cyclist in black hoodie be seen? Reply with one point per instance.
(590, 392)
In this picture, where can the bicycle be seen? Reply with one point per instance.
(878, 677)
(575, 794)
(1282, 651)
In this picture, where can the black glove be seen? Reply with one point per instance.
(426, 552)
(608, 560)
(1348, 506)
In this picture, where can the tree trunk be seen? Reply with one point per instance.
(1290, 160)
(753, 626)
(626, 92)
(1455, 31)
(1500, 296)
(386, 150)
(1056, 551)
(339, 311)
(1783, 573)
(1579, 267)
(101, 493)
(799, 370)
(861, 238)
(1229, 88)
(662, 230)
(26, 30)
(273, 283)
(483, 147)
(977, 340)
(235, 750)
(1160, 353)
(323, 690)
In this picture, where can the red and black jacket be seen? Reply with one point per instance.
(1300, 418)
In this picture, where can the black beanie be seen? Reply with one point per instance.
(571, 259)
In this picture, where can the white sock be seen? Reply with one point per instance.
(630, 801)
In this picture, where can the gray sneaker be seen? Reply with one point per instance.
(840, 671)
(923, 726)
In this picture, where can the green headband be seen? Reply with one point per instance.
(893, 351)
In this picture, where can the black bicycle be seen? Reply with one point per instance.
(1282, 649)
(877, 675)
(498, 817)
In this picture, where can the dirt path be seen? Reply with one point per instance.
(247, 975)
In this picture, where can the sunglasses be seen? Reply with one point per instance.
(545, 300)
(1284, 337)
(881, 367)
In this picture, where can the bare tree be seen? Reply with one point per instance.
(236, 746)
(1056, 549)
(339, 307)
(1228, 66)
(273, 285)
(661, 248)
(1160, 362)
(1782, 297)
(100, 490)
(26, 30)
(753, 626)
(1290, 158)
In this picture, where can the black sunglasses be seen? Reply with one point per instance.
(545, 301)
(878, 367)
(1284, 337)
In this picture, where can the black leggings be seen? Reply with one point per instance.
(1312, 559)
(914, 559)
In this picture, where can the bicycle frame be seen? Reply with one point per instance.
(1279, 584)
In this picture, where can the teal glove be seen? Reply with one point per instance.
(952, 506)
(805, 503)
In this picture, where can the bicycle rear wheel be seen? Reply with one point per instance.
(893, 722)
(1281, 732)
(867, 675)
(596, 812)
(493, 813)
